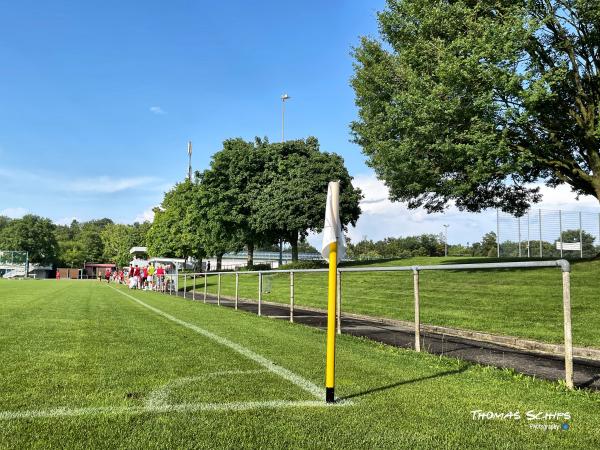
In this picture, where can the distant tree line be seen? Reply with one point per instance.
(433, 245)
(71, 245)
(254, 195)
(402, 247)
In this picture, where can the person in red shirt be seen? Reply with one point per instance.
(160, 275)
(144, 277)
(107, 275)
(57, 274)
(136, 274)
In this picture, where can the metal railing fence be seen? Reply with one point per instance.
(562, 264)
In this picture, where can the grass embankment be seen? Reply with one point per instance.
(81, 344)
(525, 303)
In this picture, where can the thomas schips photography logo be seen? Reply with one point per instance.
(537, 420)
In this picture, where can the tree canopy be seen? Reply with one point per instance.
(253, 195)
(33, 234)
(172, 233)
(293, 190)
(471, 101)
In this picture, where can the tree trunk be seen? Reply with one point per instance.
(294, 243)
(219, 261)
(250, 257)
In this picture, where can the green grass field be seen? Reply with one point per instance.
(524, 303)
(84, 366)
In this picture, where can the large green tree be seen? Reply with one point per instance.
(470, 101)
(117, 241)
(291, 200)
(172, 233)
(230, 188)
(33, 234)
(88, 237)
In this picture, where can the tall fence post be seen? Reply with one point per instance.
(237, 289)
(519, 230)
(566, 275)
(194, 289)
(580, 237)
(498, 232)
(541, 245)
(339, 302)
(205, 284)
(417, 312)
(184, 284)
(528, 237)
(560, 228)
(219, 290)
(292, 296)
(260, 282)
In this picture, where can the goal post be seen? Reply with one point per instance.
(14, 264)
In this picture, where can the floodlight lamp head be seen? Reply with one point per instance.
(285, 97)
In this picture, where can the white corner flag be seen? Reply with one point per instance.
(332, 231)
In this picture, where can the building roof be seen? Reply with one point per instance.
(138, 250)
(168, 260)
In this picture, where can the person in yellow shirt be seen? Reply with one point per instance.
(151, 272)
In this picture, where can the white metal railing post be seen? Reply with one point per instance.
(205, 284)
(260, 280)
(219, 290)
(194, 289)
(417, 311)
(237, 286)
(566, 275)
(338, 299)
(292, 296)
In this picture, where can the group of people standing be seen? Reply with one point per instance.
(147, 278)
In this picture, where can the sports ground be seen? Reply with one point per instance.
(85, 364)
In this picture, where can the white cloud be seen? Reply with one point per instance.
(13, 213)
(562, 197)
(157, 110)
(108, 185)
(145, 216)
(93, 185)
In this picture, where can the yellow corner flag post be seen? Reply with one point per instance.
(333, 250)
(331, 291)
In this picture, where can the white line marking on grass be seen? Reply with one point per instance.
(180, 408)
(160, 396)
(299, 381)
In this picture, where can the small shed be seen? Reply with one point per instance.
(93, 270)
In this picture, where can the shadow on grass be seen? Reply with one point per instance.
(401, 383)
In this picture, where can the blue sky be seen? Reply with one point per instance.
(98, 99)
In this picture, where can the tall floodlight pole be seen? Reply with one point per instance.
(446, 239)
(189, 160)
(284, 97)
